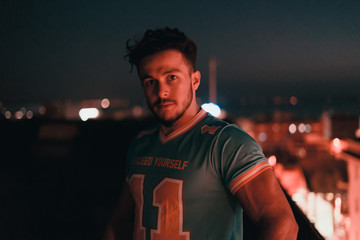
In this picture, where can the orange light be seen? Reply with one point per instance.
(357, 133)
(8, 114)
(337, 146)
(137, 111)
(302, 127)
(19, 115)
(42, 110)
(105, 103)
(293, 100)
(336, 142)
(29, 115)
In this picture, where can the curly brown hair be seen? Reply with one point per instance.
(159, 40)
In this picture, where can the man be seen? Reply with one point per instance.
(193, 175)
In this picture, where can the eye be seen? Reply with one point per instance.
(172, 77)
(148, 82)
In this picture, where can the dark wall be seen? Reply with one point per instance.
(61, 180)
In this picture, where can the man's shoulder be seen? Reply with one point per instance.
(143, 138)
(146, 132)
(231, 133)
(145, 135)
(211, 125)
(224, 126)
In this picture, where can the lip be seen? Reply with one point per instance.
(164, 105)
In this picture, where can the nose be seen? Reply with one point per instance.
(163, 90)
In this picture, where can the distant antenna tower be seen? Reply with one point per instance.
(212, 80)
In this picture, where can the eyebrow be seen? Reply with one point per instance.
(172, 70)
(145, 77)
(164, 73)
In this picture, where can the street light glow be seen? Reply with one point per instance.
(212, 108)
(86, 113)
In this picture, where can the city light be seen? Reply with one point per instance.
(105, 103)
(137, 111)
(336, 142)
(29, 115)
(292, 128)
(272, 160)
(357, 133)
(301, 152)
(42, 110)
(87, 113)
(262, 137)
(323, 214)
(302, 128)
(8, 114)
(337, 146)
(19, 115)
(212, 108)
(293, 100)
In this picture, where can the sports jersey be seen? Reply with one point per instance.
(184, 183)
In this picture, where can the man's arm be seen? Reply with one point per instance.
(266, 205)
(121, 224)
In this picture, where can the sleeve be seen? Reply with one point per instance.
(237, 157)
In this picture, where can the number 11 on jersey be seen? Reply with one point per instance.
(167, 197)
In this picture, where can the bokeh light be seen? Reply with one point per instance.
(292, 128)
(212, 108)
(87, 113)
(272, 160)
(105, 103)
(293, 100)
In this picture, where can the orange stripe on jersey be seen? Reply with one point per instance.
(200, 116)
(248, 176)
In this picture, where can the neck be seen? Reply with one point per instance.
(188, 116)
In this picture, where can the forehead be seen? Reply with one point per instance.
(163, 61)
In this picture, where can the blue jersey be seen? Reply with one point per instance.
(184, 183)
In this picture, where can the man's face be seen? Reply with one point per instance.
(169, 85)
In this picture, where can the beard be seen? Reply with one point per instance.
(169, 122)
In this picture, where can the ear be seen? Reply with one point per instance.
(195, 77)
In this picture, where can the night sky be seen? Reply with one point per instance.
(58, 50)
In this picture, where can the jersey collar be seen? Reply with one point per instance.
(198, 117)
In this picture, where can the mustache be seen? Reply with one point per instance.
(162, 100)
